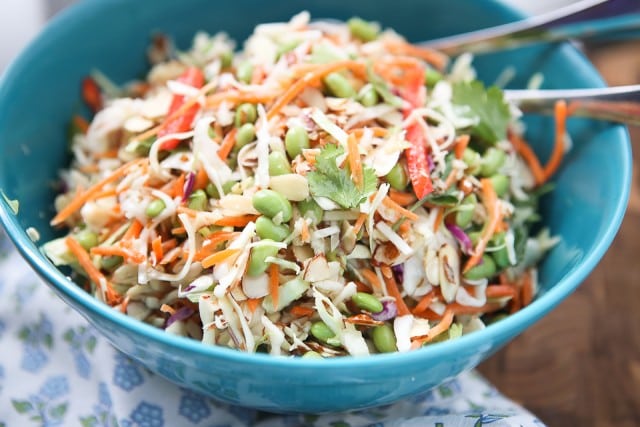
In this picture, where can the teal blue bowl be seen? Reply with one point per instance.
(39, 93)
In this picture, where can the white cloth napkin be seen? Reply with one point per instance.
(55, 370)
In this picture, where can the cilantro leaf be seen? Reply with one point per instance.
(332, 182)
(487, 106)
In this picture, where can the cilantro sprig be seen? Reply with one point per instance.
(487, 106)
(330, 181)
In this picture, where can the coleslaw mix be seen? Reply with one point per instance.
(329, 190)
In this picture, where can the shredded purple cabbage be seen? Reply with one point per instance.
(462, 238)
(188, 186)
(398, 272)
(180, 314)
(389, 311)
(430, 162)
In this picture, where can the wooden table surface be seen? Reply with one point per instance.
(580, 365)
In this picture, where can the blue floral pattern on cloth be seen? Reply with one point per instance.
(55, 370)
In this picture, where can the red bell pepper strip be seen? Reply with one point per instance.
(91, 94)
(182, 123)
(414, 93)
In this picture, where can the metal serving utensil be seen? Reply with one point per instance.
(619, 104)
(583, 19)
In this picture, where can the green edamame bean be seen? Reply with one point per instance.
(397, 177)
(369, 97)
(474, 236)
(244, 72)
(286, 47)
(198, 200)
(110, 263)
(212, 190)
(367, 302)
(321, 331)
(272, 203)
(246, 134)
(486, 269)
(226, 58)
(501, 256)
(323, 54)
(363, 30)
(473, 159)
(296, 140)
(278, 164)
(310, 209)
(492, 160)
(464, 216)
(339, 85)
(257, 265)
(155, 208)
(500, 184)
(245, 113)
(432, 76)
(312, 355)
(384, 339)
(266, 229)
(87, 239)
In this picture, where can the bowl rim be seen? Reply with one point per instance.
(512, 325)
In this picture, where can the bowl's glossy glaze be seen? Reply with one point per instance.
(40, 92)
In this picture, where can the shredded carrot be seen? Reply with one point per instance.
(438, 221)
(526, 293)
(176, 231)
(466, 309)
(236, 221)
(558, 149)
(362, 287)
(309, 78)
(156, 246)
(167, 245)
(499, 291)
(201, 180)
(253, 303)
(424, 303)
(227, 144)
(401, 198)
(440, 328)
(104, 193)
(109, 154)
(461, 144)
(219, 257)
(377, 131)
(80, 123)
(404, 213)
(392, 288)
(212, 243)
(301, 311)
(234, 97)
(492, 205)
(355, 163)
(529, 156)
(362, 217)
(165, 308)
(124, 305)
(274, 281)
(112, 297)
(134, 230)
(305, 235)
(451, 179)
(433, 57)
(372, 278)
(81, 199)
(177, 189)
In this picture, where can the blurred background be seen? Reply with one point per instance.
(581, 364)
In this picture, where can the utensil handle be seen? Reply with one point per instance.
(584, 19)
(620, 104)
